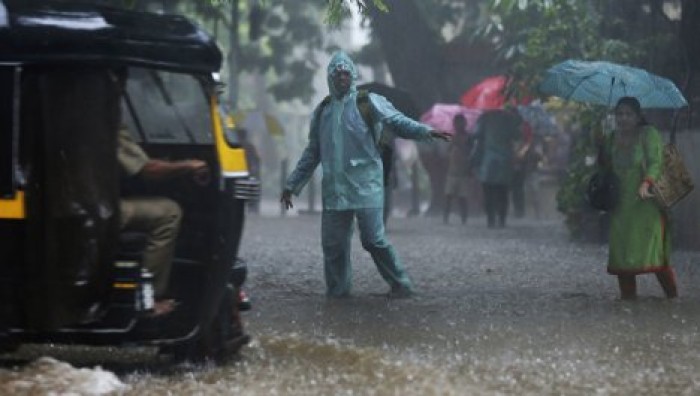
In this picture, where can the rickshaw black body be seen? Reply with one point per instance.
(60, 274)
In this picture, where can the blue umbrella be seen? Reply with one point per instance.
(604, 83)
(540, 120)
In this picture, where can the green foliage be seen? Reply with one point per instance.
(535, 34)
(338, 10)
(571, 195)
(283, 51)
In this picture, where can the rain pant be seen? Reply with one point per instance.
(352, 183)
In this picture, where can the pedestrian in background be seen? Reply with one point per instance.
(521, 171)
(639, 238)
(352, 184)
(497, 139)
(457, 182)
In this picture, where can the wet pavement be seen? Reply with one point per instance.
(514, 311)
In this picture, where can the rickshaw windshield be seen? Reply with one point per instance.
(162, 107)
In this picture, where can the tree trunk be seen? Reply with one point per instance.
(412, 54)
(234, 41)
(411, 50)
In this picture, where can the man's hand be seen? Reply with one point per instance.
(286, 199)
(163, 170)
(442, 135)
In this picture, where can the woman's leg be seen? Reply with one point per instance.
(628, 286)
(667, 279)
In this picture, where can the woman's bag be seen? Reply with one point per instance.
(603, 190)
(675, 181)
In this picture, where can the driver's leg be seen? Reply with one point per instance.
(160, 218)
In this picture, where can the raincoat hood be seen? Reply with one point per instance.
(341, 61)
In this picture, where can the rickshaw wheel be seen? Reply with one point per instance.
(222, 339)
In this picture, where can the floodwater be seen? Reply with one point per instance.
(520, 311)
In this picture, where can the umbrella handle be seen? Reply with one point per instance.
(676, 115)
(612, 84)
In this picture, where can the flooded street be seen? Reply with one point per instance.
(515, 311)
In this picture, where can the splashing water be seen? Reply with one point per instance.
(50, 376)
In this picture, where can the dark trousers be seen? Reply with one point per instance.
(518, 192)
(495, 203)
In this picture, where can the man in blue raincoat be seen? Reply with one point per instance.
(352, 186)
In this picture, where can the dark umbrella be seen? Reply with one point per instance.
(402, 100)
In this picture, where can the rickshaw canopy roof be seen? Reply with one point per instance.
(95, 34)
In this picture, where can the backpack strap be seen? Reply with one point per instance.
(319, 109)
(325, 101)
(365, 107)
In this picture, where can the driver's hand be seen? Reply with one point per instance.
(442, 135)
(286, 199)
(200, 172)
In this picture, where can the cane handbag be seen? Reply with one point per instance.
(675, 181)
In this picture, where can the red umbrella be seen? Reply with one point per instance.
(489, 94)
(440, 116)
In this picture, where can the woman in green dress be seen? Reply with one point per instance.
(639, 237)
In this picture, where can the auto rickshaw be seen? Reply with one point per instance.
(67, 273)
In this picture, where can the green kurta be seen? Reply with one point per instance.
(639, 238)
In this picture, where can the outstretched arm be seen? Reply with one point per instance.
(304, 169)
(403, 126)
(134, 161)
(160, 170)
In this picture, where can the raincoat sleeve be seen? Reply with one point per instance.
(309, 160)
(401, 125)
(653, 148)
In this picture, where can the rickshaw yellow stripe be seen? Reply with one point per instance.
(232, 160)
(13, 208)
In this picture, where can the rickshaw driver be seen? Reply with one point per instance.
(158, 217)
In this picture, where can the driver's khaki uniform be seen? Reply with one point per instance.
(159, 217)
